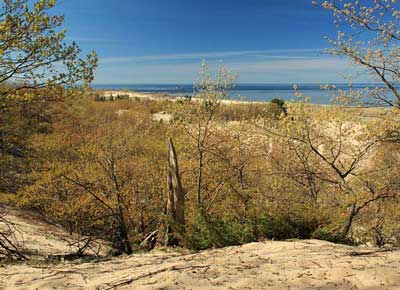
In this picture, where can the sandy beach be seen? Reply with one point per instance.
(164, 96)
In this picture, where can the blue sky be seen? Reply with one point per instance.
(165, 41)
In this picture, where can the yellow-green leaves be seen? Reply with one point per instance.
(369, 37)
(33, 47)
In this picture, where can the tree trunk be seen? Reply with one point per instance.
(176, 200)
(174, 223)
(121, 243)
(349, 222)
(199, 176)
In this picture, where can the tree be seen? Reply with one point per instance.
(173, 223)
(100, 171)
(199, 117)
(33, 53)
(369, 36)
(37, 65)
(335, 149)
(10, 245)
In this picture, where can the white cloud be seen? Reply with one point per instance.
(263, 66)
(292, 64)
(91, 39)
(282, 53)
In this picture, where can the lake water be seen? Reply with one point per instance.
(250, 92)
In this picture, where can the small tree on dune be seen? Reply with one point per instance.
(199, 119)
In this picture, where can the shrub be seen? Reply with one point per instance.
(331, 233)
(210, 232)
(207, 231)
(276, 108)
(286, 226)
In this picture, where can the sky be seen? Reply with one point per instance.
(165, 41)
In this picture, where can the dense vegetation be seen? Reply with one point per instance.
(99, 168)
(248, 171)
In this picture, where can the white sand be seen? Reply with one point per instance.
(134, 95)
(165, 96)
(269, 265)
(41, 239)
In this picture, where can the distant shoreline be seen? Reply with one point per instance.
(162, 96)
(167, 97)
(242, 92)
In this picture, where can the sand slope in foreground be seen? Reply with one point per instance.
(309, 264)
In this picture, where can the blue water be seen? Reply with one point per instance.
(249, 92)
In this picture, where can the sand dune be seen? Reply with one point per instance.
(310, 264)
(165, 96)
(41, 240)
(139, 95)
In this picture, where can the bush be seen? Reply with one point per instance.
(279, 102)
(276, 108)
(99, 98)
(210, 232)
(331, 233)
(286, 226)
(122, 97)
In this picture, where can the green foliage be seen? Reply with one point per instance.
(118, 97)
(279, 102)
(37, 66)
(99, 170)
(331, 233)
(207, 231)
(249, 191)
(252, 111)
(32, 47)
(97, 164)
(276, 108)
(212, 232)
(99, 98)
(286, 226)
(240, 112)
(282, 171)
